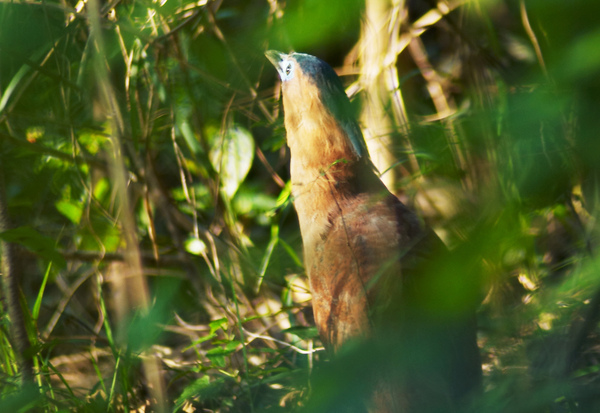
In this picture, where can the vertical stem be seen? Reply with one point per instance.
(375, 41)
(12, 270)
(132, 280)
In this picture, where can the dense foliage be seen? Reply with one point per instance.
(144, 169)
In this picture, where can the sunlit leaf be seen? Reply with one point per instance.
(10, 89)
(70, 209)
(285, 194)
(221, 323)
(38, 302)
(195, 246)
(231, 154)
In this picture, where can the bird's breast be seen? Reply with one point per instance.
(348, 261)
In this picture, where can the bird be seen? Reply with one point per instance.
(370, 259)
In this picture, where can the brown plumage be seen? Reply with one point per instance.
(364, 251)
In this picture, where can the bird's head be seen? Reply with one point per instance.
(310, 87)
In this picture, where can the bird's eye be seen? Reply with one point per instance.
(288, 69)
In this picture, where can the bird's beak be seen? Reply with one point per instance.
(276, 58)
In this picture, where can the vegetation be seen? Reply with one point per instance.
(144, 169)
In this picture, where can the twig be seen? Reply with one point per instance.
(533, 38)
(283, 343)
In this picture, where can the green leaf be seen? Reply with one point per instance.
(70, 209)
(201, 340)
(305, 333)
(217, 324)
(231, 154)
(12, 86)
(34, 242)
(584, 57)
(288, 248)
(253, 201)
(24, 400)
(188, 134)
(195, 246)
(38, 302)
(232, 345)
(202, 389)
(285, 194)
(217, 355)
(218, 352)
(267, 258)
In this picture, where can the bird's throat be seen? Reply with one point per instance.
(323, 160)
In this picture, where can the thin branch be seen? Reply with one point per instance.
(44, 150)
(532, 38)
(283, 343)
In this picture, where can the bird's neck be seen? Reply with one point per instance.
(316, 139)
(320, 149)
(326, 171)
